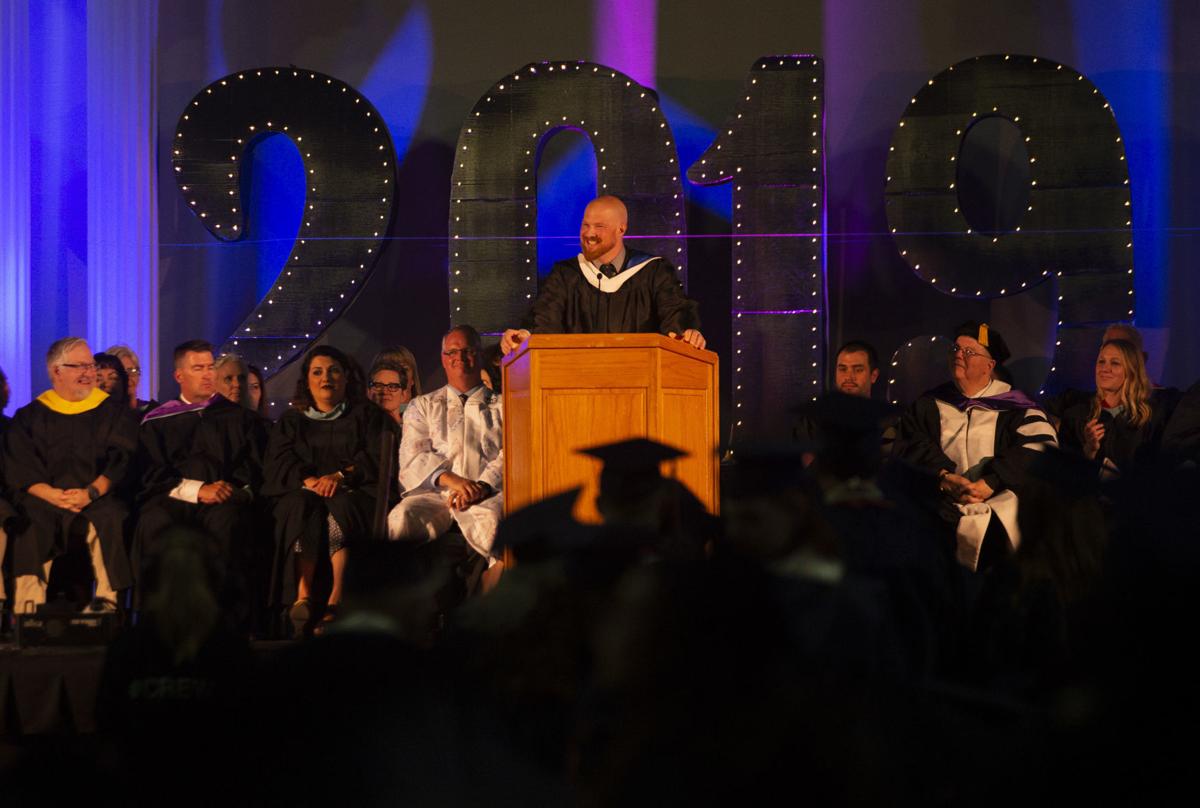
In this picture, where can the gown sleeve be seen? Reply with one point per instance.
(251, 468)
(285, 468)
(6, 508)
(1070, 431)
(366, 457)
(158, 474)
(418, 460)
(676, 312)
(23, 462)
(493, 472)
(1181, 438)
(1030, 432)
(914, 443)
(122, 442)
(549, 312)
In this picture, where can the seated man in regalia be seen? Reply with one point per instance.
(201, 457)
(977, 435)
(66, 454)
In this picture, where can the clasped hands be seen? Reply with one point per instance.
(215, 493)
(70, 499)
(325, 485)
(962, 491)
(463, 492)
(513, 337)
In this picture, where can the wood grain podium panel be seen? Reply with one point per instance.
(518, 421)
(679, 371)
(565, 392)
(686, 421)
(576, 368)
(577, 419)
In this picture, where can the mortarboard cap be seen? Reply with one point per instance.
(848, 413)
(537, 529)
(986, 336)
(634, 456)
(759, 469)
(631, 467)
(849, 431)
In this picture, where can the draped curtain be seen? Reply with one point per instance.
(122, 211)
(49, 225)
(14, 197)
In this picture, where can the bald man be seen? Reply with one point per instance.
(608, 289)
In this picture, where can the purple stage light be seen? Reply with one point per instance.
(626, 37)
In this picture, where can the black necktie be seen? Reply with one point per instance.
(463, 398)
(608, 270)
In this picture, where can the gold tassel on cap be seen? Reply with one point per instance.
(983, 335)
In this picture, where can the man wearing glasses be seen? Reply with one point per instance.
(66, 452)
(976, 433)
(451, 459)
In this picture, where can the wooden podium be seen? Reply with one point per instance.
(564, 392)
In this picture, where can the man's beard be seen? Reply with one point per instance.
(592, 250)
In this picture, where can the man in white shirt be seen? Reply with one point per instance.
(451, 456)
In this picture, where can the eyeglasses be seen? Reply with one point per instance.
(391, 387)
(460, 352)
(967, 353)
(91, 366)
(134, 371)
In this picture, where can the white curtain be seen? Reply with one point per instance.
(122, 244)
(14, 198)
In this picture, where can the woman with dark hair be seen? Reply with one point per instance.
(111, 377)
(1121, 426)
(492, 358)
(255, 399)
(322, 470)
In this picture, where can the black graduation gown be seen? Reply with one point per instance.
(1056, 405)
(300, 447)
(651, 301)
(70, 451)
(6, 509)
(894, 543)
(918, 441)
(1181, 438)
(223, 441)
(1126, 445)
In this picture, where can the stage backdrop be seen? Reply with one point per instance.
(425, 66)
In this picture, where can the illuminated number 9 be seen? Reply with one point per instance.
(1077, 225)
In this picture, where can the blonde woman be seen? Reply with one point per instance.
(1121, 426)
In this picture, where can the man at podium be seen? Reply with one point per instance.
(608, 289)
